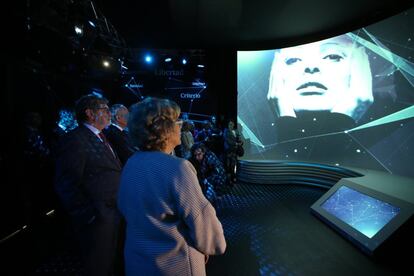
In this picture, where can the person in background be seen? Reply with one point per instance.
(215, 142)
(117, 133)
(210, 171)
(204, 134)
(231, 142)
(86, 181)
(187, 140)
(171, 227)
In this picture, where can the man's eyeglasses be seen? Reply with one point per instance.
(105, 108)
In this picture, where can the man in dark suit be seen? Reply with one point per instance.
(117, 134)
(87, 179)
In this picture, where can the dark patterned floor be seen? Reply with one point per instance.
(269, 231)
(249, 214)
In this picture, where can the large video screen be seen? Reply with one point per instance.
(346, 100)
(366, 214)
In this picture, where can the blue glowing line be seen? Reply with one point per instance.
(406, 67)
(369, 152)
(248, 133)
(399, 115)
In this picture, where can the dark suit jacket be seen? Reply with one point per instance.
(87, 176)
(87, 182)
(120, 142)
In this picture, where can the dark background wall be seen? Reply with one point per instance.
(46, 80)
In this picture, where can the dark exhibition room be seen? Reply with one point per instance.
(205, 137)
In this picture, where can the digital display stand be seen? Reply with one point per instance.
(365, 216)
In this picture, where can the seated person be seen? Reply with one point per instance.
(210, 170)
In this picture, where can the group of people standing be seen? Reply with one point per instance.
(213, 152)
(130, 200)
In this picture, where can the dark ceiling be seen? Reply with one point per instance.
(241, 24)
(122, 27)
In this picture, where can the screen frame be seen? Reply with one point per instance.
(368, 245)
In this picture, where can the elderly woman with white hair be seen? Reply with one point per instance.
(171, 227)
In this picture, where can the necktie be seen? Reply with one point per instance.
(105, 141)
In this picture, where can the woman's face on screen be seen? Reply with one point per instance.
(315, 76)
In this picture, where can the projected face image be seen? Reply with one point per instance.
(332, 75)
(343, 101)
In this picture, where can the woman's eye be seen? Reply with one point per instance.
(334, 57)
(292, 60)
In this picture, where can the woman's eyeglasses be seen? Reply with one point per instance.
(179, 123)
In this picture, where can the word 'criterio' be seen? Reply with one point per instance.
(190, 96)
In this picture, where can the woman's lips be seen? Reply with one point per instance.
(312, 88)
(312, 84)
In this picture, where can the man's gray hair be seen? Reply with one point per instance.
(114, 111)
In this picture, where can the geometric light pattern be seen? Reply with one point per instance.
(366, 214)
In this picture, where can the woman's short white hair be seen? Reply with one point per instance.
(354, 104)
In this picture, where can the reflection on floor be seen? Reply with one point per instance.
(269, 231)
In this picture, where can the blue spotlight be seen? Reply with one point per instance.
(200, 65)
(167, 60)
(91, 23)
(148, 59)
(184, 61)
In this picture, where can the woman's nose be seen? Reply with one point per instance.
(311, 70)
